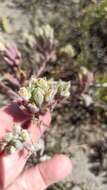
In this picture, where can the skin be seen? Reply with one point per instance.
(39, 177)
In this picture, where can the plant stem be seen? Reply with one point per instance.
(6, 90)
(42, 68)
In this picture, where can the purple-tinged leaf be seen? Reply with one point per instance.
(12, 80)
(12, 55)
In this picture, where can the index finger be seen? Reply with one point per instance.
(12, 165)
(12, 114)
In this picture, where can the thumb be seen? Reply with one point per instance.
(44, 174)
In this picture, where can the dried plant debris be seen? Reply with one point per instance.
(97, 156)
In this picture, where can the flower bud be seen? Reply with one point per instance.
(52, 84)
(16, 129)
(18, 144)
(39, 32)
(24, 135)
(24, 93)
(43, 84)
(45, 31)
(86, 78)
(38, 95)
(10, 149)
(33, 80)
(64, 88)
(49, 96)
(8, 137)
(68, 50)
(48, 32)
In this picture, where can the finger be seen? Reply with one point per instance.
(12, 114)
(12, 165)
(9, 115)
(44, 174)
(37, 128)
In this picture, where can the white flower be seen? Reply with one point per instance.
(64, 88)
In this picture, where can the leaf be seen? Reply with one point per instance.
(12, 55)
(5, 25)
(38, 95)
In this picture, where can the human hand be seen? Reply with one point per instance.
(39, 177)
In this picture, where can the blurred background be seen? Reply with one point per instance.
(78, 130)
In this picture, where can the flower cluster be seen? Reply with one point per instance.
(45, 43)
(68, 50)
(12, 55)
(14, 140)
(45, 32)
(41, 91)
